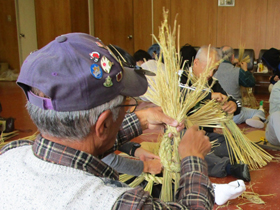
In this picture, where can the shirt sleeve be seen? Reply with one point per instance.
(195, 191)
(129, 129)
(124, 165)
(246, 78)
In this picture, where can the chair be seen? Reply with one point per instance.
(262, 51)
(251, 54)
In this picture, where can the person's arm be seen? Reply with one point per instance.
(195, 189)
(124, 165)
(133, 167)
(134, 123)
(232, 105)
(246, 78)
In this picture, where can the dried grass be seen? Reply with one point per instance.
(243, 150)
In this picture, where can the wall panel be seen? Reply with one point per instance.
(158, 6)
(242, 24)
(272, 25)
(79, 16)
(197, 21)
(142, 16)
(52, 19)
(8, 35)
(114, 27)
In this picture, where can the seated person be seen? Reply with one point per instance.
(154, 51)
(218, 161)
(272, 132)
(141, 56)
(188, 54)
(77, 103)
(231, 78)
(271, 59)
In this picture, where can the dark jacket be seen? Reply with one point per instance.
(218, 89)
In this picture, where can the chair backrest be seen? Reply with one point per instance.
(251, 54)
(262, 51)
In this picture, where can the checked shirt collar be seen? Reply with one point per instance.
(67, 156)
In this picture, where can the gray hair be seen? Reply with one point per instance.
(203, 52)
(71, 125)
(227, 53)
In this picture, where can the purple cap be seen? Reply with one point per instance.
(77, 72)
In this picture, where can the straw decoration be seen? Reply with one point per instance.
(179, 101)
(3, 141)
(241, 57)
(243, 150)
(176, 101)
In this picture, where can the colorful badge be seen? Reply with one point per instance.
(119, 76)
(100, 45)
(106, 64)
(108, 82)
(96, 71)
(94, 56)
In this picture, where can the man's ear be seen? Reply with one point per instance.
(103, 124)
(195, 61)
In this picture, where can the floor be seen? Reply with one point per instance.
(263, 181)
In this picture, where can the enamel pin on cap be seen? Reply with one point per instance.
(108, 82)
(96, 71)
(94, 56)
(119, 76)
(106, 64)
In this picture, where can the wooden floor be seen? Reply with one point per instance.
(264, 182)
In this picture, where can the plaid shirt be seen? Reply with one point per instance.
(195, 189)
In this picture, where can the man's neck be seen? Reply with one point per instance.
(85, 145)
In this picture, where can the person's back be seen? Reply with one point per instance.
(228, 74)
(231, 78)
(36, 181)
(228, 77)
(141, 56)
(76, 92)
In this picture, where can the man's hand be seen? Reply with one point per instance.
(151, 161)
(244, 66)
(154, 118)
(194, 143)
(229, 107)
(152, 166)
(218, 96)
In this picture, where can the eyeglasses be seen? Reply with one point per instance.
(132, 103)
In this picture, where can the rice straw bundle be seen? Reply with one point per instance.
(15, 133)
(248, 98)
(242, 149)
(209, 114)
(6, 136)
(176, 102)
(150, 178)
(241, 57)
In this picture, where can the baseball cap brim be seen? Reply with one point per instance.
(134, 82)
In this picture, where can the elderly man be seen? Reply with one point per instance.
(76, 92)
(218, 161)
(231, 78)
